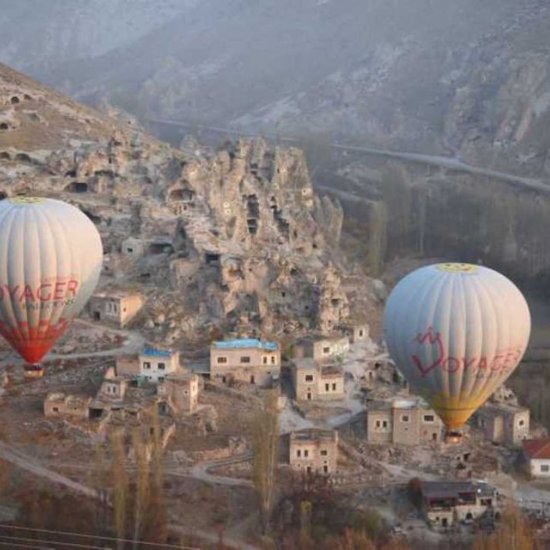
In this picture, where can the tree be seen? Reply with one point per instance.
(120, 485)
(513, 533)
(266, 450)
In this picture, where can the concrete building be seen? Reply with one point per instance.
(245, 360)
(536, 453)
(503, 423)
(116, 308)
(314, 450)
(403, 422)
(317, 381)
(448, 502)
(322, 349)
(155, 364)
(181, 391)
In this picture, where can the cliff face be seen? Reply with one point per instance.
(233, 237)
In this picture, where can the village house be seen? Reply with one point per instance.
(314, 450)
(116, 308)
(445, 503)
(181, 391)
(245, 360)
(127, 366)
(403, 422)
(155, 363)
(502, 423)
(536, 453)
(58, 404)
(322, 349)
(317, 381)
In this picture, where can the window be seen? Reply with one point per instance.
(544, 468)
(361, 333)
(264, 360)
(429, 418)
(272, 359)
(222, 360)
(308, 377)
(161, 366)
(405, 418)
(327, 387)
(245, 359)
(298, 453)
(326, 350)
(324, 452)
(325, 469)
(378, 424)
(384, 424)
(55, 409)
(334, 387)
(521, 422)
(161, 379)
(306, 453)
(146, 365)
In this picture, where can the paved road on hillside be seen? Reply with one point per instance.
(447, 163)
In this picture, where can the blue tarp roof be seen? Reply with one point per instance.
(246, 343)
(155, 352)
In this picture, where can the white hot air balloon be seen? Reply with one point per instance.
(456, 332)
(50, 261)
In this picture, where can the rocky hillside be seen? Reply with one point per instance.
(462, 78)
(233, 238)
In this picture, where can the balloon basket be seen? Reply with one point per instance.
(453, 437)
(34, 371)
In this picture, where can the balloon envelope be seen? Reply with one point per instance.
(456, 332)
(50, 261)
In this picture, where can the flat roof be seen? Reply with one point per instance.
(453, 489)
(312, 434)
(246, 343)
(156, 352)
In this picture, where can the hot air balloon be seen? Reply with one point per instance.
(456, 332)
(50, 261)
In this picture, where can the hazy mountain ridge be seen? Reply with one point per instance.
(466, 79)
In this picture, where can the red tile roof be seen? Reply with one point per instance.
(537, 448)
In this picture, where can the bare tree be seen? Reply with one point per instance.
(120, 485)
(266, 449)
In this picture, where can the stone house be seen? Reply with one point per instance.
(317, 381)
(155, 363)
(536, 453)
(403, 422)
(246, 360)
(127, 366)
(322, 349)
(58, 404)
(181, 391)
(445, 503)
(314, 450)
(116, 308)
(503, 423)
